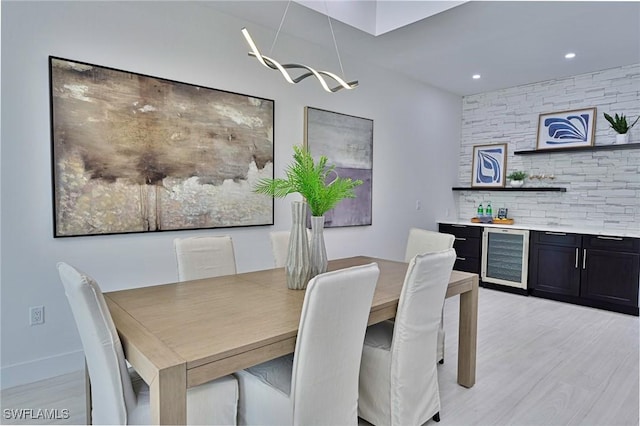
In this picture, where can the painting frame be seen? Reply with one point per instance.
(134, 153)
(566, 129)
(488, 166)
(347, 142)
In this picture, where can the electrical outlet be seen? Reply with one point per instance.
(418, 204)
(36, 315)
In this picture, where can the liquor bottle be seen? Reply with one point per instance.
(480, 210)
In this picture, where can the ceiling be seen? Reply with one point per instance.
(509, 43)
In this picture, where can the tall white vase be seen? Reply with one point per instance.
(298, 264)
(318, 250)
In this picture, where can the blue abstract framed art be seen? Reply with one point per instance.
(489, 165)
(566, 129)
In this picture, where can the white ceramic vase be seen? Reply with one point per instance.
(516, 183)
(318, 251)
(622, 138)
(298, 265)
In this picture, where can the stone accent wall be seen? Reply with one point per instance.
(603, 187)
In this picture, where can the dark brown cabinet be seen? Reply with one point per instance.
(591, 270)
(611, 266)
(468, 245)
(554, 263)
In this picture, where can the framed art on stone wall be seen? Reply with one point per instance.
(489, 163)
(347, 142)
(135, 153)
(566, 129)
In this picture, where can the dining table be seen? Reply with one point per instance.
(181, 335)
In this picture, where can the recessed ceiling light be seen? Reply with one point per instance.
(476, 76)
(570, 55)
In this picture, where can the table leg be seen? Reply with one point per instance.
(468, 336)
(168, 394)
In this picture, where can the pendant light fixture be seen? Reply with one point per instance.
(307, 71)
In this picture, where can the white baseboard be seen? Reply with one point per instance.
(40, 369)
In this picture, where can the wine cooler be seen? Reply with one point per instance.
(505, 256)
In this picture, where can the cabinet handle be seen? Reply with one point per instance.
(460, 239)
(461, 258)
(556, 233)
(584, 258)
(577, 257)
(459, 226)
(610, 238)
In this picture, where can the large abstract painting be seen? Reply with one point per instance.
(347, 142)
(566, 129)
(135, 153)
(489, 165)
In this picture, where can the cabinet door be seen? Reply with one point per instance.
(554, 269)
(467, 244)
(610, 276)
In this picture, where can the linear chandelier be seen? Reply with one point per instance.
(320, 75)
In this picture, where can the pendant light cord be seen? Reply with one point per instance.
(333, 36)
(284, 15)
(326, 8)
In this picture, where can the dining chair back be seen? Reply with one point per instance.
(111, 390)
(280, 246)
(115, 398)
(204, 257)
(318, 384)
(398, 375)
(422, 241)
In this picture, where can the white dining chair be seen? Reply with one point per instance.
(280, 246)
(318, 383)
(119, 396)
(422, 241)
(204, 257)
(398, 374)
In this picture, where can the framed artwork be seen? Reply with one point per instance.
(135, 153)
(489, 165)
(566, 129)
(347, 142)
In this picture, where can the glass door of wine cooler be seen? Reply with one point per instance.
(505, 256)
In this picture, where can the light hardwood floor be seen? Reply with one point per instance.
(540, 362)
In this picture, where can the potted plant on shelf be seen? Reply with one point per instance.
(516, 178)
(619, 124)
(322, 189)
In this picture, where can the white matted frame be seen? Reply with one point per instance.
(566, 129)
(489, 165)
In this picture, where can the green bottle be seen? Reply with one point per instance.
(480, 210)
(489, 211)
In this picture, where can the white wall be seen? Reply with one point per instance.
(603, 187)
(416, 145)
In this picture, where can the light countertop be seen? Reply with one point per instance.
(634, 233)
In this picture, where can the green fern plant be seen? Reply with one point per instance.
(619, 123)
(517, 175)
(312, 181)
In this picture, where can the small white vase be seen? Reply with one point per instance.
(622, 138)
(317, 249)
(516, 183)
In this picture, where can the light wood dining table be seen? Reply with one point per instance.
(184, 334)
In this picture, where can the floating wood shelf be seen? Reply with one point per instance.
(581, 149)
(530, 189)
